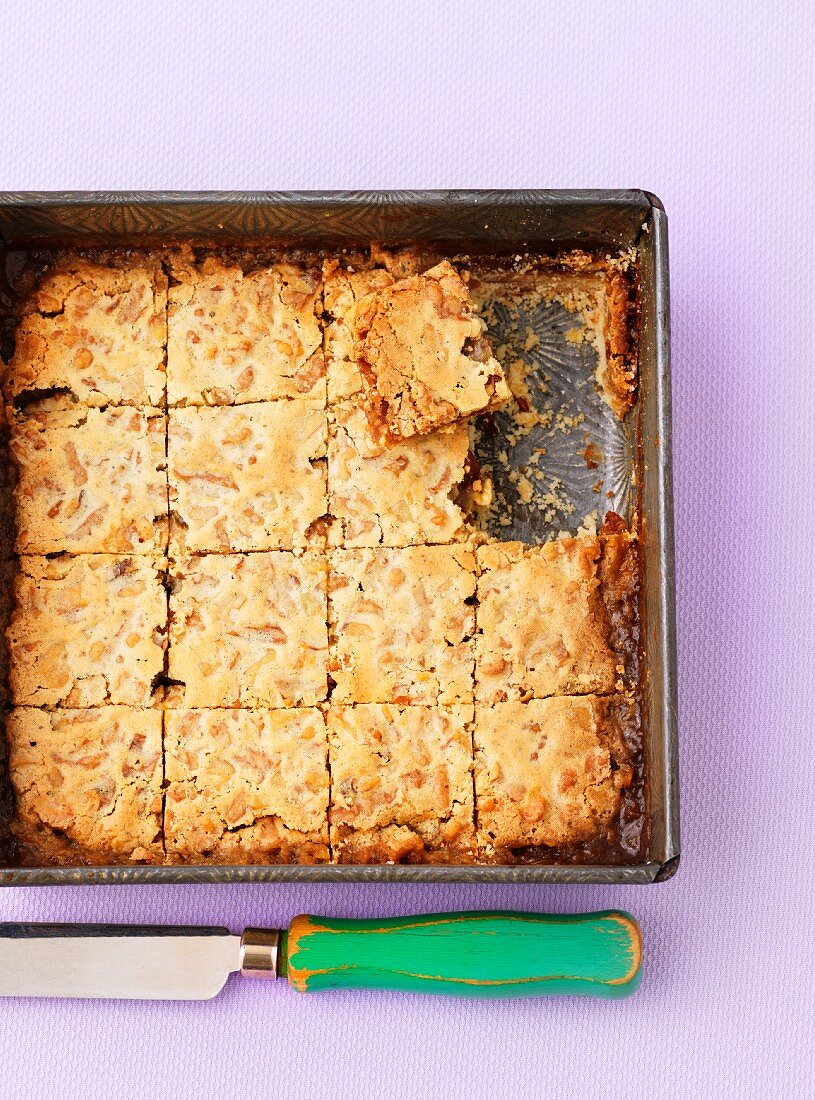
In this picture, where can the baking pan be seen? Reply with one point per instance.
(493, 223)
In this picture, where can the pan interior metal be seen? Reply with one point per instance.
(116, 961)
(481, 223)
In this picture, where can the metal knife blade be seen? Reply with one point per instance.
(136, 962)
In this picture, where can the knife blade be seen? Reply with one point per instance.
(475, 954)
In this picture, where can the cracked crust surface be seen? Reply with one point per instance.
(401, 782)
(87, 631)
(401, 625)
(399, 496)
(343, 289)
(87, 784)
(236, 337)
(250, 477)
(90, 481)
(543, 627)
(424, 358)
(249, 630)
(548, 772)
(246, 786)
(94, 333)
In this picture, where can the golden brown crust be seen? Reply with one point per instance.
(94, 333)
(542, 626)
(87, 631)
(250, 477)
(547, 772)
(423, 355)
(401, 624)
(91, 481)
(235, 337)
(401, 781)
(246, 786)
(248, 630)
(87, 784)
(620, 375)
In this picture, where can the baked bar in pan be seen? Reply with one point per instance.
(90, 481)
(246, 786)
(401, 624)
(248, 477)
(549, 771)
(92, 333)
(424, 357)
(401, 783)
(543, 623)
(401, 496)
(87, 784)
(248, 630)
(236, 337)
(87, 631)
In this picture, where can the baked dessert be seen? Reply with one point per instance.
(87, 784)
(87, 631)
(548, 771)
(543, 625)
(424, 357)
(90, 481)
(226, 583)
(248, 630)
(249, 477)
(401, 784)
(92, 333)
(246, 786)
(236, 337)
(403, 495)
(401, 623)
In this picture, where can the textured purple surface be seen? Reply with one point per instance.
(710, 106)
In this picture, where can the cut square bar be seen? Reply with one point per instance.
(401, 782)
(94, 334)
(548, 772)
(401, 625)
(87, 784)
(91, 481)
(246, 786)
(250, 477)
(249, 630)
(236, 337)
(87, 631)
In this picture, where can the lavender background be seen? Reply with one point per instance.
(711, 106)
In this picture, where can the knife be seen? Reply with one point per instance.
(472, 954)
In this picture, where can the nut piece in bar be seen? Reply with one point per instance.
(250, 477)
(235, 337)
(401, 784)
(343, 290)
(400, 496)
(90, 481)
(87, 631)
(548, 772)
(249, 630)
(246, 786)
(401, 623)
(543, 627)
(92, 334)
(424, 357)
(87, 784)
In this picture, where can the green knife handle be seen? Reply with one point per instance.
(497, 954)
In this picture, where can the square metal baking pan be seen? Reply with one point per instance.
(493, 222)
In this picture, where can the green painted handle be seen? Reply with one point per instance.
(499, 954)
